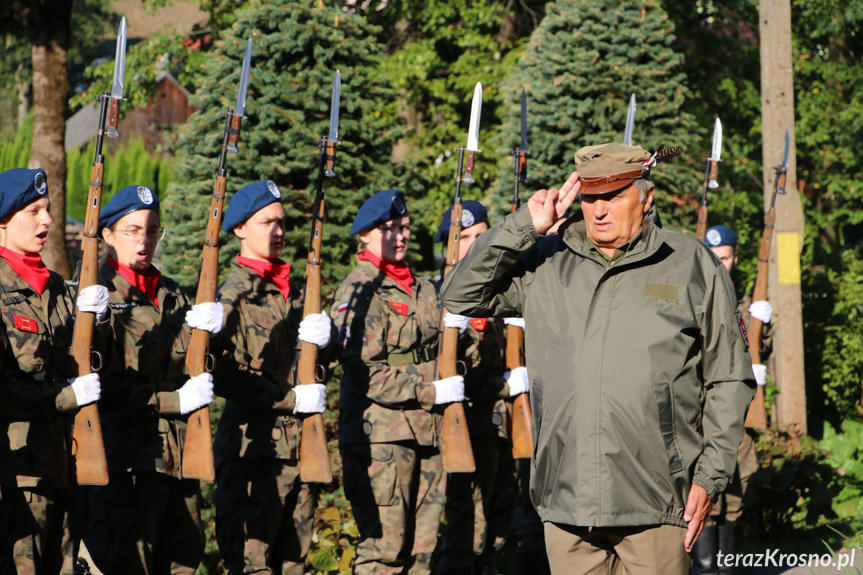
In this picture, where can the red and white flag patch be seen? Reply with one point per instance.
(342, 307)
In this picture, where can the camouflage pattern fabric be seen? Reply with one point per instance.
(145, 523)
(479, 507)
(264, 516)
(397, 493)
(39, 530)
(482, 347)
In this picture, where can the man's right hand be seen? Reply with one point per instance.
(547, 207)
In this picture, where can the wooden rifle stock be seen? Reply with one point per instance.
(88, 448)
(314, 453)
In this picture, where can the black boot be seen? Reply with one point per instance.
(704, 552)
(726, 545)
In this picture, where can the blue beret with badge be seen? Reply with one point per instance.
(720, 236)
(129, 199)
(19, 187)
(472, 213)
(248, 200)
(378, 209)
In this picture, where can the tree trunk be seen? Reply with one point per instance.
(48, 24)
(25, 95)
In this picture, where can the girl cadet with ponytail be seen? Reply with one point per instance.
(38, 511)
(147, 519)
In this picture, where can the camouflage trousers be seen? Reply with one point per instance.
(40, 530)
(264, 516)
(145, 523)
(479, 507)
(396, 492)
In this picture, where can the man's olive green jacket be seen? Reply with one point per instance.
(640, 375)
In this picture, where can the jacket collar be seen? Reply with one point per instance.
(383, 281)
(126, 291)
(574, 235)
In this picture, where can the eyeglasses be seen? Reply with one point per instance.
(136, 233)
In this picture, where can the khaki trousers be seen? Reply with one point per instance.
(651, 550)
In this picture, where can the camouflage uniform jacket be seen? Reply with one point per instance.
(256, 368)
(482, 347)
(376, 318)
(36, 401)
(140, 406)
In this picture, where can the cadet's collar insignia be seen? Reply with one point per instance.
(40, 184)
(274, 189)
(713, 238)
(743, 329)
(401, 308)
(26, 324)
(145, 194)
(467, 219)
(479, 323)
(399, 204)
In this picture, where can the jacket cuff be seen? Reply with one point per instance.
(524, 226)
(65, 401)
(702, 480)
(287, 403)
(168, 402)
(426, 395)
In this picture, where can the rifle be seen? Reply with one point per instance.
(91, 466)
(757, 415)
(457, 451)
(314, 454)
(522, 441)
(710, 172)
(198, 447)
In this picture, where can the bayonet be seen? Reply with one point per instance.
(783, 169)
(523, 121)
(117, 87)
(333, 137)
(630, 121)
(240, 106)
(473, 133)
(716, 153)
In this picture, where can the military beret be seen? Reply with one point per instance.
(381, 207)
(472, 213)
(19, 187)
(611, 167)
(129, 199)
(720, 236)
(248, 200)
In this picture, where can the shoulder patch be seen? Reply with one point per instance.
(401, 308)
(479, 323)
(124, 305)
(14, 299)
(342, 307)
(742, 326)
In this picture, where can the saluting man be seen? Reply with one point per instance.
(40, 509)
(148, 518)
(264, 513)
(640, 377)
(389, 426)
(479, 505)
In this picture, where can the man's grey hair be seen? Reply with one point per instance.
(644, 185)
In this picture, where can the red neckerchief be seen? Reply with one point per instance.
(147, 282)
(31, 268)
(274, 270)
(399, 272)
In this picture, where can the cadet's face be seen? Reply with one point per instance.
(389, 241)
(27, 229)
(134, 239)
(614, 218)
(727, 255)
(468, 235)
(263, 234)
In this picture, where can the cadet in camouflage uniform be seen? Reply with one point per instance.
(718, 534)
(479, 505)
(264, 513)
(148, 518)
(40, 509)
(389, 426)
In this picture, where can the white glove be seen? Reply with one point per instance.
(94, 299)
(196, 393)
(760, 371)
(316, 328)
(514, 321)
(311, 398)
(207, 316)
(87, 388)
(449, 389)
(454, 320)
(761, 310)
(517, 380)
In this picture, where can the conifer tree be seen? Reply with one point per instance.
(296, 49)
(579, 69)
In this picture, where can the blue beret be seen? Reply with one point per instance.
(129, 199)
(19, 187)
(472, 213)
(720, 236)
(248, 200)
(381, 207)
